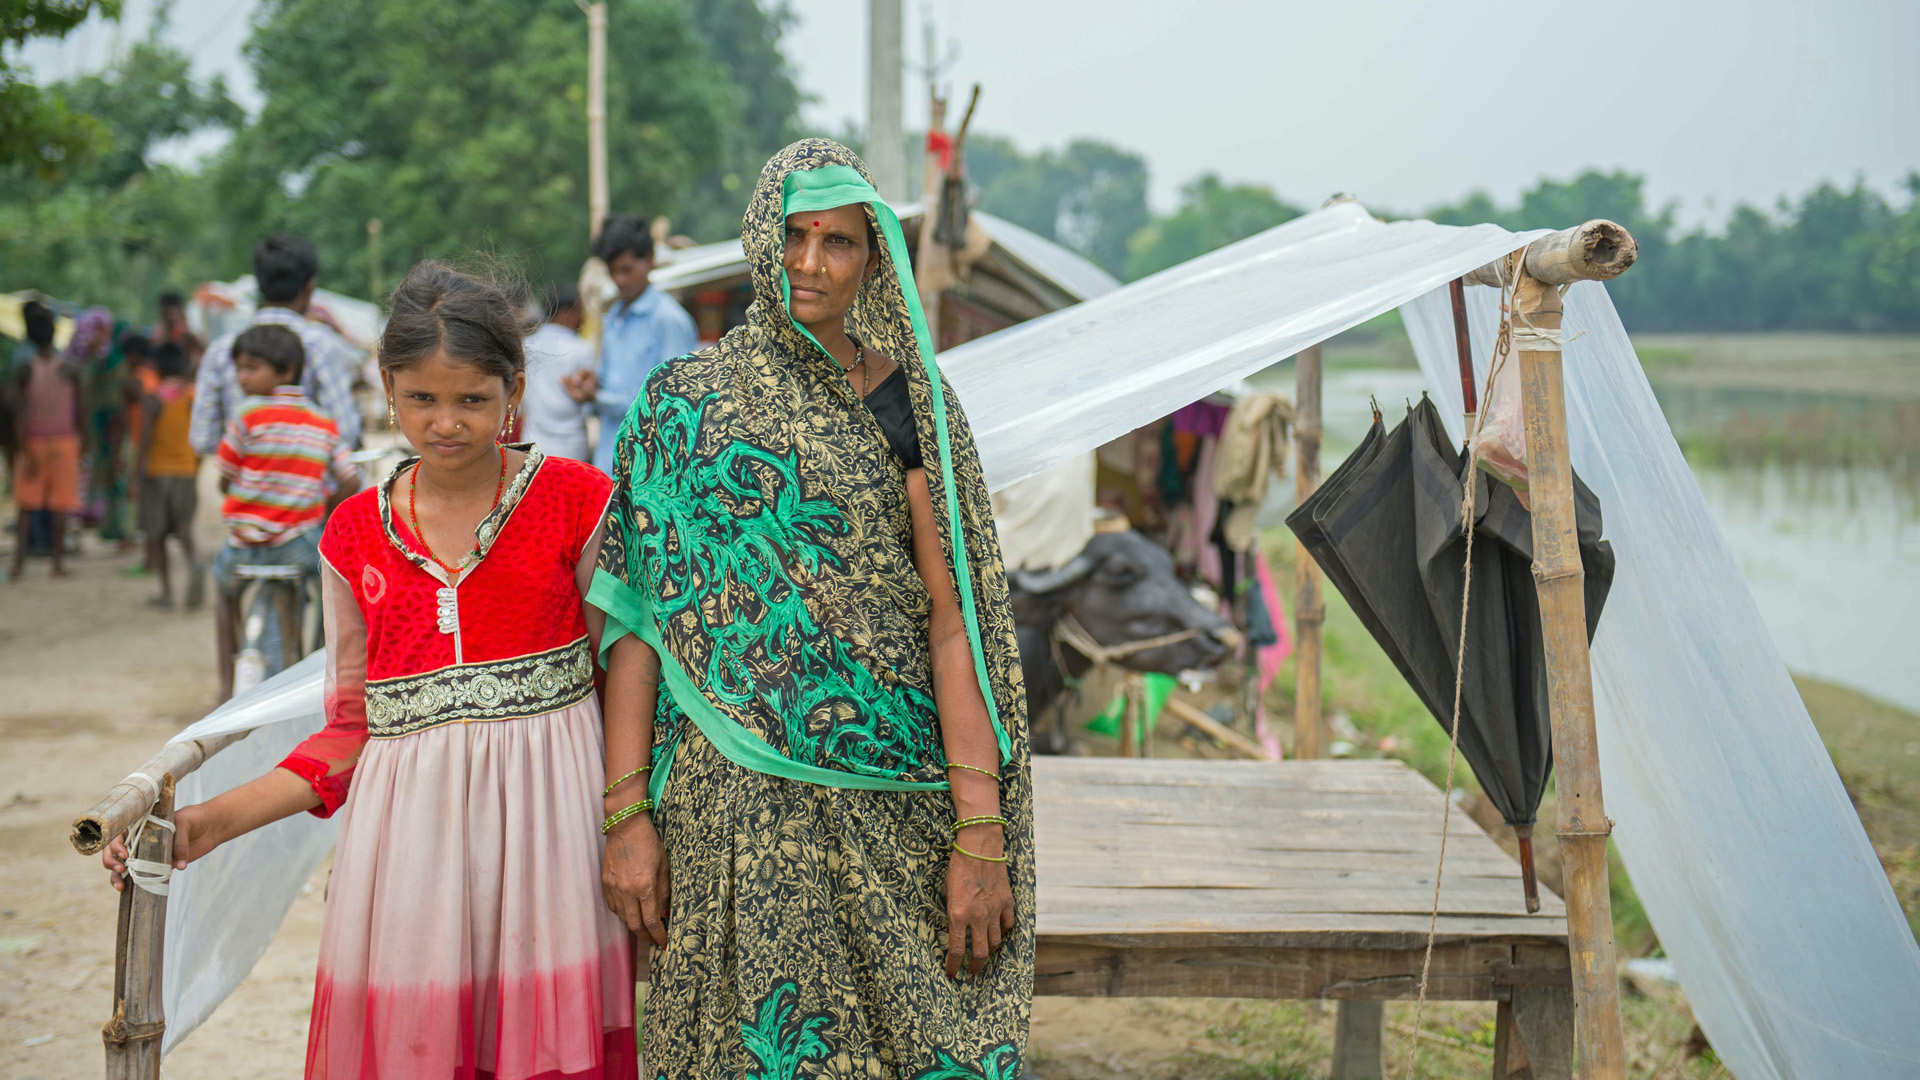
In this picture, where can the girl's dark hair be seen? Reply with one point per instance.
(170, 360)
(622, 233)
(478, 317)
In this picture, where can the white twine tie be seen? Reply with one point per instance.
(148, 875)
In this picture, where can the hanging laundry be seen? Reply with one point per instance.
(1253, 449)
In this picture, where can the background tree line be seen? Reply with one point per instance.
(460, 127)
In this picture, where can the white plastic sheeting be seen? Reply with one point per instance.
(1742, 844)
(223, 910)
(1060, 385)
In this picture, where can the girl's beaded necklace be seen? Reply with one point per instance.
(413, 518)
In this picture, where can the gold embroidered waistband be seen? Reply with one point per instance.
(499, 690)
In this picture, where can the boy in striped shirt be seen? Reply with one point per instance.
(282, 467)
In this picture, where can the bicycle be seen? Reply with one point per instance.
(273, 602)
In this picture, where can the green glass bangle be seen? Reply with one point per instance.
(618, 816)
(973, 768)
(984, 819)
(976, 855)
(624, 779)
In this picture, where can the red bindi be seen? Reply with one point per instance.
(816, 224)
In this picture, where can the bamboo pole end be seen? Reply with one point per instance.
(1597, 250)
(86, 835)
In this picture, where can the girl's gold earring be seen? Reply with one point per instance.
(393, 421)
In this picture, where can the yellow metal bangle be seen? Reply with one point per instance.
(624, 779)
(975, 855)
(984, 819)
(973, 768)
(618, 816)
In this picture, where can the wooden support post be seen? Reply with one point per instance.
(930, 256)
(1358, 1041)
(1308, 610)
(132, 1037)
(1509, 1049)
(1133, 701)
(1557, 571)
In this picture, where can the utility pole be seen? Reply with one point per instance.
(886, 136)
(594, 283)
(596, 117)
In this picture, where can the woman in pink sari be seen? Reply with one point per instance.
(466, 934)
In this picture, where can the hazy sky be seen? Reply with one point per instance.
(1404, 103)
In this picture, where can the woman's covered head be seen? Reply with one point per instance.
(817, 266)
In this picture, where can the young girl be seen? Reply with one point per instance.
(466, 934)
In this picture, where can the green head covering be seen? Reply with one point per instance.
(759, 536)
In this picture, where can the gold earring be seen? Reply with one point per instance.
(392, 420)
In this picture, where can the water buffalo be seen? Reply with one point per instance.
(1121, 588)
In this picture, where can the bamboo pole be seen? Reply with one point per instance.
(1560, 578)
(930, 272)
(1595, 251)
(1134, 703)
(1225, 735)
(1308, 610)
(132, 1037)
(127, 801)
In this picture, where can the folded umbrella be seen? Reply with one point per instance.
(1388, 528)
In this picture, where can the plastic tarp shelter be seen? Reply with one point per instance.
(1740, 839)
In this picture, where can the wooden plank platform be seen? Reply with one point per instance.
(1309, 879)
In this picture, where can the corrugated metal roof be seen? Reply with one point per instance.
(1065, 268)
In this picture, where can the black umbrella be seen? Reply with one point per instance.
(1387, 528)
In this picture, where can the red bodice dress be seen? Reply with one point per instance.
(465, 932)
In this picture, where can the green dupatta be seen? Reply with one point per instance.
(757, 538)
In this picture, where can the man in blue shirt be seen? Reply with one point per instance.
(644, 329)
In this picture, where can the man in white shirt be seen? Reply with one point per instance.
(556, 352)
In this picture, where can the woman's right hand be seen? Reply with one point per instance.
(196, 831)
(633, 875)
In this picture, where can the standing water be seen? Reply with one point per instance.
(1818, 495)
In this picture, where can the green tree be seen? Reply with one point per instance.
(1091, 196)
(1894, 267)
(118, 228)
(744, 37)
(1212, 215)
(462, 127)
(39, 128)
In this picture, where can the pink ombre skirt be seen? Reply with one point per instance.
(466, 937)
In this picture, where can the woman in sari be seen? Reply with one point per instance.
(819, 805)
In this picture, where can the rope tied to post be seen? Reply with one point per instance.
(1503, 347)
(146, 874)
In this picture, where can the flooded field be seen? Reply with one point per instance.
(1807, 449)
